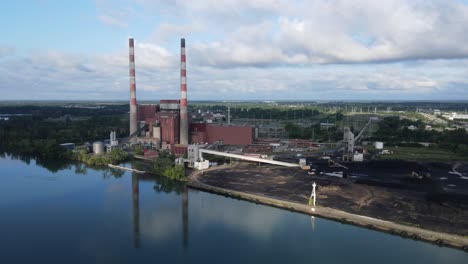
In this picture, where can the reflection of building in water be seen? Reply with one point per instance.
(136, 211)
(185, 216)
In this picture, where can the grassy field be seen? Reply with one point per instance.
(425, 153)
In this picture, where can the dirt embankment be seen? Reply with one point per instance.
(403, 212)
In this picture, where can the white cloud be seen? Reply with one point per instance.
(262, 33)
(166, 31)
(258, 222)
(321, 31)
(115, 13)
(113, 21)
(57, 75)
(6, 51)
(52, 74)
(265, 49)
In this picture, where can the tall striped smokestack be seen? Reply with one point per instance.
(183, 96)
(133, 102)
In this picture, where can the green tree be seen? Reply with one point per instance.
(176, 172)
(164, 161)
(164, 166)
(138, 150)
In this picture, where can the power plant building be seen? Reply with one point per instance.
(169, 105)
(198, 133)
(169, 122)
(146, 111)
(167, 125)
(159, 124)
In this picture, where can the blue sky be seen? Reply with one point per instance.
(236, 49)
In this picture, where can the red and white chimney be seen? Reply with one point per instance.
(133, 102)
(183, 96)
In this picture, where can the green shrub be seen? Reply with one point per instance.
(138, 150)
(176, 172)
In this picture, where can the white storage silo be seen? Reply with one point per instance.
(98, 147)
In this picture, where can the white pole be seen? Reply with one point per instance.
(313, 196)
(313, 192)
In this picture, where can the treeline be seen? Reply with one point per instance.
(31, 128)
(269, 112)
(314, 132)
(35, 135)
(58, 111)
(116, 156)
(395, 132)
(275, 113)
(398, 106)
(342, 105)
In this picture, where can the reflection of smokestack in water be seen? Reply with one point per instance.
(185, 216)
(183, 95)
(133, 102)
(136, 211)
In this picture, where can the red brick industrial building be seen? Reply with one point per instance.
(169, 122)
(229, 135)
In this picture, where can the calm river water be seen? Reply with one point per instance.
(59, 213)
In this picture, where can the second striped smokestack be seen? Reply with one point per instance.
(133, 102)
(183, 96)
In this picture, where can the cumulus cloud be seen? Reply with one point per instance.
(53, 74)
(166, 31)
(113, 21)
(58, 75)
(162, 223)
(340, 31)
(6, 51)
(263, 49)
(115, 13)
(276, 32)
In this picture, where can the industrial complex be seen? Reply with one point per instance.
(378, 170)
(265, 131)
(167, 125)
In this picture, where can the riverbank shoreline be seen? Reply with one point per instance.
(405, 231)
